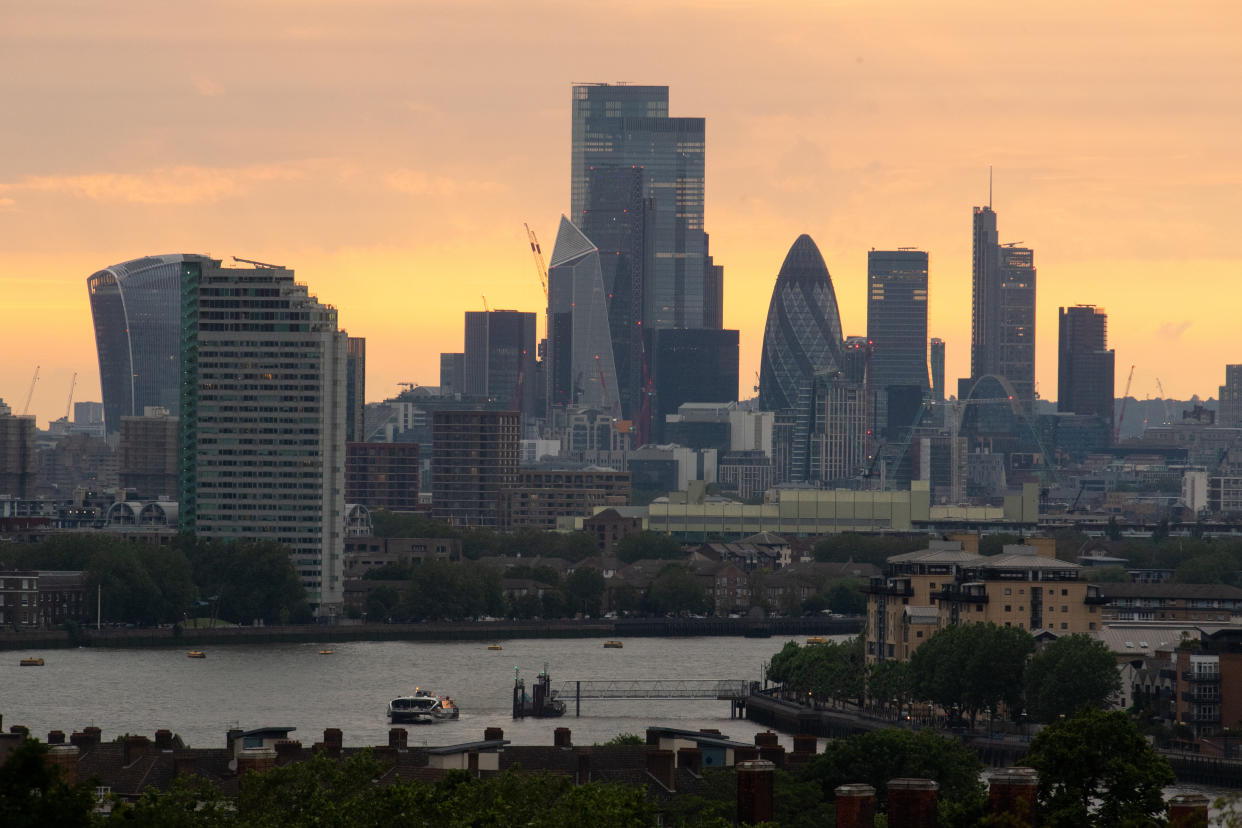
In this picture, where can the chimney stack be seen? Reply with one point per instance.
(912, 803)
(855, 806)
(1188, 811)
(561, 737)
(56, 737)
(287, 750)
(398, 737)
(134, 748)
(163, 739)
(754, 791)
(332, 740)
(65, 757)
(493, 734)
(1014, 791)
(660, 764)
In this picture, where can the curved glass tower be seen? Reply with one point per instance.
(136, 307)
(802, 336)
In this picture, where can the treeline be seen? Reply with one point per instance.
(143, 584)
(1095, 769)
(967, 669)
(478, 542)
(443, 591)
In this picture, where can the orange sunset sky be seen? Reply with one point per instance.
(390, 152)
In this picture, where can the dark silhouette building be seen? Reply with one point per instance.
(382, 475)
(147, 454)
(897, 316)
(1003, 311)
(1085, 366)
(936, 348)
(474, 455)
(355, 387)
(499, 359)
(699, 365)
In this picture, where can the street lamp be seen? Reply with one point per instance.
(1023, 717)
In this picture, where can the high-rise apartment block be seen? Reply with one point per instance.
(499, 358)
(147, 454)
(136, 308)
(382, 475)
(19, 464)
(263, 417)
(474, 455)
(1003, 311)
(1085, 366)
(355, 387)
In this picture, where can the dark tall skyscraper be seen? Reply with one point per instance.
(897, 317)
(136, 307)
(1003, 311)
(355, 387)
(615, 220)
(937, 368)
(628, 127)
(1085, 366)
(1017, 322)
(500, 358)
(802, 336)
(692, 366)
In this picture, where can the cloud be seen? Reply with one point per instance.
(6, 203)
(180, 185)
(1172, 330)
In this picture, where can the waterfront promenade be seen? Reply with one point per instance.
(447, 631)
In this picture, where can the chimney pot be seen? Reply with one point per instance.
(855, 806)
(754, 791)
(912, 803)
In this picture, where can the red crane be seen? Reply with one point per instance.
(1121, 416)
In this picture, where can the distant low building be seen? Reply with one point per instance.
(540, 498)
(1212, 603)
(41, 598)
(610, 527)
(363, 554)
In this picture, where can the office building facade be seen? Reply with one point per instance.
(1003, 310)
(147, 454)
(897, 317)
(135, 307)
(802, 335)
(452, 374)
(1085, 366)
(936, 351)
(623, 127)
(263, 418)
(499, 358)
(581, 370)
(382, 475)
(699, 365)
(1229, 411)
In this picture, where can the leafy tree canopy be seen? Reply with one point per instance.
(1072, 672)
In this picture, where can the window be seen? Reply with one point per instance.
(1008, 608)
(1008, 590)
(1064, 626)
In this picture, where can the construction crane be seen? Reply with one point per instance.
(485, 307)
(260, 265)
(603, 386)
(1164, 398)
(30, 393)
(756, 382)
(1121, 415)
(537, 253)
(72, 385)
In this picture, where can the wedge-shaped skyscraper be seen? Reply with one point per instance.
(581, 371)
(802, 336)
(136, 306)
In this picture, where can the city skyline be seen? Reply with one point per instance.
(376, 169)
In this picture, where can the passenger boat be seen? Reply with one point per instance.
(494, 647)
(32, 662)
(423, 706)
(613, 645)
(816, 639)
(325, 652)
(196, 654)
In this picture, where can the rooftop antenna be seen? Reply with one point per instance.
(989, 186)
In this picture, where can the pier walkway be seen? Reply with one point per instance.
(734, 691)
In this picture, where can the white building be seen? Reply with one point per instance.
(263, 414)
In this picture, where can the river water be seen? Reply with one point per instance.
(293, 685)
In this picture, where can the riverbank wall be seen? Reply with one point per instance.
(788, 717)
(193, 637)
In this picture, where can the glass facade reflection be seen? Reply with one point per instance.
(802, 336)
(136, 307)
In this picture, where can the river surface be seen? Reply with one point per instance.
(293, 685)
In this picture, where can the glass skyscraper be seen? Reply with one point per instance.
(628, 127)
(897, 317)
(499, 358)
(580, 366)
(136, 307)
(1003, 311)
(802, 336)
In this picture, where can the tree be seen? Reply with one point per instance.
(1113, 530)
(584, 589)
(972, 666)
(876, 757)
(846, 597)
(1215, 567)
(888, 682)
(1072, 672)
(191, 802)
(33, 792)
(249, 580)
(640, 546)
(1097, 769)
(676, 590)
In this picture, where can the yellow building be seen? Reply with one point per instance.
(929, 590)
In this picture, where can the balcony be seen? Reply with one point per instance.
(1202, 717)
(1200, 698)
(961, 596)
(899, 588)
(1201, 676)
